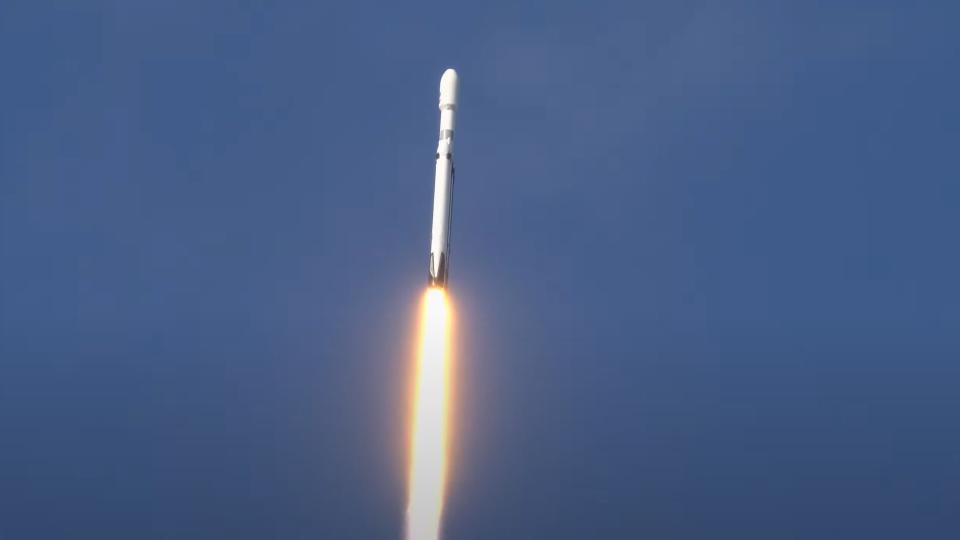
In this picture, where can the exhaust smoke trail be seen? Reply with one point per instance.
(428, 462)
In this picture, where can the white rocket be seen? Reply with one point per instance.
(443, 183)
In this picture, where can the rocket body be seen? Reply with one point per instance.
(443, 183)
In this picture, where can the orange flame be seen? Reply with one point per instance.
(428, 463)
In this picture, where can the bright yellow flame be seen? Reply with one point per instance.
(428, 463)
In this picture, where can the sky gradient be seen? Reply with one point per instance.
(704, 268)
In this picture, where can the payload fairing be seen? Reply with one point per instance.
(443, 183)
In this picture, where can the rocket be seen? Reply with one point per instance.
(443, 184)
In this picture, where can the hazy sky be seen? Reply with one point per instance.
(704, 265)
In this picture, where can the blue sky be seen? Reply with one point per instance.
(704, 267)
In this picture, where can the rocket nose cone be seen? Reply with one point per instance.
(448, 88)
